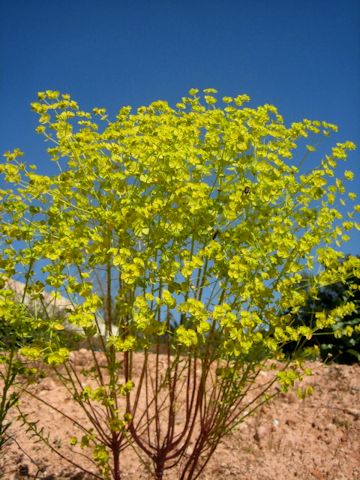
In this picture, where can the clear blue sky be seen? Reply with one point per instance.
(302, 56)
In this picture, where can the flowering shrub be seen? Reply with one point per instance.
(186, 231)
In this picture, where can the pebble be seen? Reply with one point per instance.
(47, 384)
(276, 422)
(331, 427)
(260, 433)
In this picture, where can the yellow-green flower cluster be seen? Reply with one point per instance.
(190, 222)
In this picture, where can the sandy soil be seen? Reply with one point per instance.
(316, 438)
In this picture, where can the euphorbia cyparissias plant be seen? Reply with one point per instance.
(186, 231)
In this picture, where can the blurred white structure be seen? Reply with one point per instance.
(55, 305)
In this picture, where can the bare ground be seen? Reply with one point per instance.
(316, 438)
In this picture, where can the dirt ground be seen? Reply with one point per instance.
(316, 438)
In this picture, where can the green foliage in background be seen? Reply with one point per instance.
(339, 342)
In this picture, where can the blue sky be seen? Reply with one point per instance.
(302, 56)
